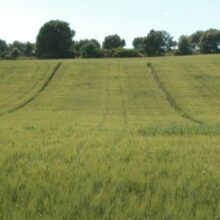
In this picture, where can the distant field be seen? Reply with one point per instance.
(110, 138)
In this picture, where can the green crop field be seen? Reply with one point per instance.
(110, 139)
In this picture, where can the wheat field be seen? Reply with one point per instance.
(110, 138)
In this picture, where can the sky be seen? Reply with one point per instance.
(22, 19)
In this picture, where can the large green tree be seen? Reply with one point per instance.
(14, 53)
(55, 40)
(210, 41)
(184, 45)
(3, 48)
(195, 40)
(138, 43)
(29, 49)
(19, 45)
(113, 41)
(157, 43)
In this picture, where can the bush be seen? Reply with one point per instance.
(120, 52)
(79, 46)
(90, 50)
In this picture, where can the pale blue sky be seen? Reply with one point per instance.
(21, 19)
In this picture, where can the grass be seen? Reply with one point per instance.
(101, 140)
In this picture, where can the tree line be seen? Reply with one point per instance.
(55, 40)
(16, 49)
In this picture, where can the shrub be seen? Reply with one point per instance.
(120, 52)
(90, 50)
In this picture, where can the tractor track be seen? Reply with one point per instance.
(122, 89)
(99, 126)
(43, 87)
(169, 98)
(106, 112)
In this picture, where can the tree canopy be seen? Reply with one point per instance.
(195, 40)
(138, 43)
(157, 43)
(113, 41)
(55, 40)
(184, 46)
(3, 48)
(210, 41)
